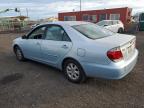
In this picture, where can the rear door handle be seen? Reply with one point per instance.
(65, 46)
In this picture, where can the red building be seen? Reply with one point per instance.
(123, 14)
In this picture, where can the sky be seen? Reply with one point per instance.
(38, 9)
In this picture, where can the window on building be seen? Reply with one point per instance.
(86, 17)
(102, 17)
(93, 18)
(69, 18)
(114, 16)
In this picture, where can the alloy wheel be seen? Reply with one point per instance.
(73, 71)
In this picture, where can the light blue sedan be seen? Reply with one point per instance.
(79, 49)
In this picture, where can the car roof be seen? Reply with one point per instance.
(70, 23)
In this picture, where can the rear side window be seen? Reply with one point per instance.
(114, 22)
(56, 33)
(92, 31)
(110, 23)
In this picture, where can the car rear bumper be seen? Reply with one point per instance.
(112, 71)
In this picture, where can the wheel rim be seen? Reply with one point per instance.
(72, 71)
(19, 54)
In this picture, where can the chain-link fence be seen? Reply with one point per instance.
(13, 26)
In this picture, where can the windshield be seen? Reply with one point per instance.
(92, 31)
(102, 23)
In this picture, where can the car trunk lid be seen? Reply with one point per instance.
(125, 42)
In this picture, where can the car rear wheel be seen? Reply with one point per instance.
(19, 54)
(74, 72)
(120, 30)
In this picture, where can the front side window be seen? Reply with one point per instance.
(38, 33)
(92, 31)
(56, 33)
(115, 22)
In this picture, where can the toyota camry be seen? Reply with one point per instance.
(79, 49)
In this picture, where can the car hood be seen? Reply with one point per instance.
(18, 38)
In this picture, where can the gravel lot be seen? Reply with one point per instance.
(34, 85)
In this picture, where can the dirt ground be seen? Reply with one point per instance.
(33, 85)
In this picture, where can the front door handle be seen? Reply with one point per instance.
(65, 46)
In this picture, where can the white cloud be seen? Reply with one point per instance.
(48, 8)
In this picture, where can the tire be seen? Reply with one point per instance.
(137, 28)
(73, 71)
(19, 53)
(120, 30)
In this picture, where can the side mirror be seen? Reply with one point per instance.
(24, 37)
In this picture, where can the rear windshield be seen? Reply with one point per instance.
(92, 31)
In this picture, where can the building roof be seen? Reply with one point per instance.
(70, 23)
(97, 10)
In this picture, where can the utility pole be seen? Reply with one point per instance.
(80, 10)
(20, 11)
(27, 12)
(80, 5)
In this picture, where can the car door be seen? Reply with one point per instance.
(56, 44)
(32, 45)
(109, 25)
(116, 26)
(112, 27)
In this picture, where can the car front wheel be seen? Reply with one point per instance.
(74, 72)
(19, 54)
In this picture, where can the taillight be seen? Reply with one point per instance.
(115, 54)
